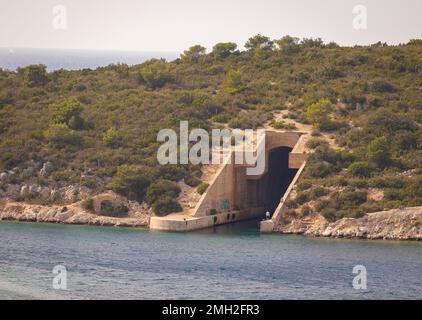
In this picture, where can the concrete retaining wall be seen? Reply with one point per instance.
(177, 224)
(268, 225)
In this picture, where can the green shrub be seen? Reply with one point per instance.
(110, 210)
(339, 181)
(322, 204)
(385, 122)
(131, 181)
(305, 211)
(282, 125)
(373, 207)
(234, 82)
(304, 185)
(288, 44)
(221, 118)
(259, 43)
(410, 193)
(292, 213)
(302, 198)
(210, 109)
(359, 183)
(413, 188)
(9, 161)
(63, 175)
(172, 172)
(223, 50)
(3, 99)
(360, 169)
(319, 169)
(355, 213)
(315, 142)
(319, 114)
(61, 136)
(358, 213)
(202, 188)
(162, 189)
(193, 54)
(112, 137)
(192, 181)
(248, 120)
(166, 205)
(380, 85)
(353, 198)
(35, 75)
(329, 214)
(67, 112)
(89, 182)
(291, 203)
(156, 73)
(379, 153)
(88, 204)
(317, 192)
(387, 182)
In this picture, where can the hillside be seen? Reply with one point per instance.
(96, 129)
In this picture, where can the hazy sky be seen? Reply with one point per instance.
(174, 25)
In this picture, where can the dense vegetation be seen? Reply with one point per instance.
(99, 127)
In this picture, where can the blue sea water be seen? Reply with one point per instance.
(55, 59)
(228, 262)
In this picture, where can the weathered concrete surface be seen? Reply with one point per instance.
(184, 223)
(396, 224)
(299, 153)
(109, 196)
(267, 226)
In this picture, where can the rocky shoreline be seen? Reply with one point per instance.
(396, 224)
(68, 214)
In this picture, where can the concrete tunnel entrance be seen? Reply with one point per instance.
(234, 196)
(267, 191)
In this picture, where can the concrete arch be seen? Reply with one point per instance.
(231, 183)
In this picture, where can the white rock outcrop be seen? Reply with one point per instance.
(396, 224)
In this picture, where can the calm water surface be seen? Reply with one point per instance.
(229, 262)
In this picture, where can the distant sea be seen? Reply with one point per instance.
(55, 59)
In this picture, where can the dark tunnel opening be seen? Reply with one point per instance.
(267, 191)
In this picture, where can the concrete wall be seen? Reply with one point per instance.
(268, 225)
(196, 223)
(220, 194)
(298, 155)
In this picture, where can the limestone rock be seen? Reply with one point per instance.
(3, 176)
(13, 190)
(24, 190)
(28, 172)
(396, 224)
(46, 169)
(138, 216)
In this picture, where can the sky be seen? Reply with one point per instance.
(175, 25)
